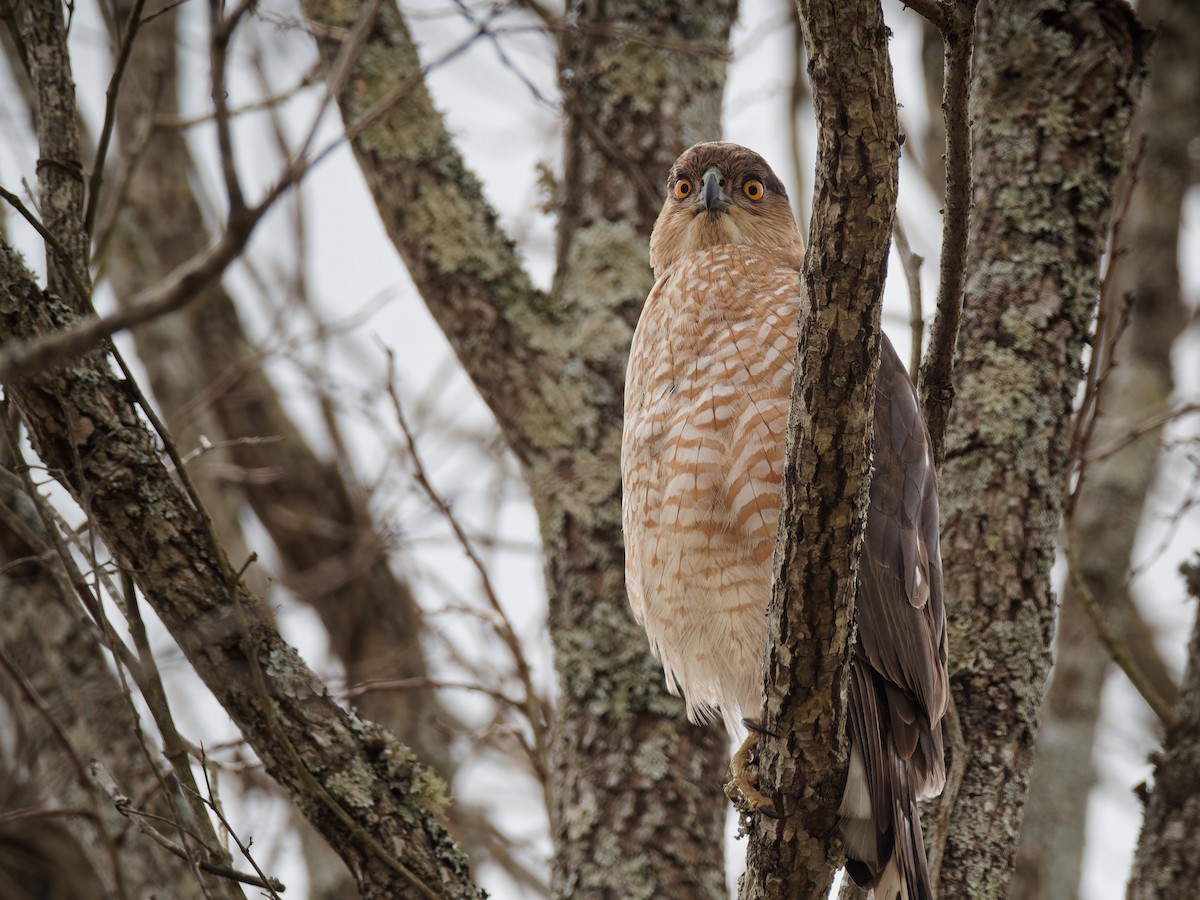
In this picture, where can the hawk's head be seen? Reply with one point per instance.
(722, 193)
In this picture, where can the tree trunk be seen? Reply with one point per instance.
(1052, 97)
(636, 805)
(1167, 863)
(828, 468)
(1109, 505)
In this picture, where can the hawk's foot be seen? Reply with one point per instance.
(742, 788)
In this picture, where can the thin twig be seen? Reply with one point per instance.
(66, 263)
(143, 131)
(125, 807)
(361, 688)
(222, 32)
(44, 812)
(935, 12)
(150, 683)
(185, 283)
(1115, 646)
(132, 24)
(937, 372)
(534, 710)
(9, 665)
(1104, 343)
(272, 885)
(501, 53)
(309, 79)
(1153, 423)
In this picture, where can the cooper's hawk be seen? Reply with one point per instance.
(706, 404)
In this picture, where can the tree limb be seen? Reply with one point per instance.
(936, 382)
(830, 430)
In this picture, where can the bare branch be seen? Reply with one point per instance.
(937, 12)
(1115, 646)
(535, 712)
(1146, 426)
(125, 806)
(936, 383)
(189, 280)
(132, 24)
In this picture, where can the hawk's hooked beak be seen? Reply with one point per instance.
(712, 191)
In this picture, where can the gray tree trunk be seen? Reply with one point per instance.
(636, 807)
(1052, 97)
(1109, 505)
(1167, 863)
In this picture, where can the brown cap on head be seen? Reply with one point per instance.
(723, 193)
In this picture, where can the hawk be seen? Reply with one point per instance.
(702, 456)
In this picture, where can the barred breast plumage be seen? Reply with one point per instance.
(706, 419)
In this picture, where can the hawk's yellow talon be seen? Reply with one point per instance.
(743, 785)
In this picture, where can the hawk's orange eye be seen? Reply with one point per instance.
(753, 189)
(683, 188)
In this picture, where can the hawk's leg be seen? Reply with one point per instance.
(744, 784)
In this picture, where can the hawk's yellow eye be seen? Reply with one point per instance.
(753, 189)
(683, 188)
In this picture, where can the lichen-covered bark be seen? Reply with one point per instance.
(1052, 100)
(636, 805)
(631, 109)
(1167, 863)
(1109, 505)
(824, 499)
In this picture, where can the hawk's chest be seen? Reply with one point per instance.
(707, 393)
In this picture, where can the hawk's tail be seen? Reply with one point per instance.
(880, 823)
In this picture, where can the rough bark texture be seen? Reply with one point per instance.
(1167, 863)
(825, 488)
(1109, 506)
(60, 166)
(1052, 100)
(636, 805)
